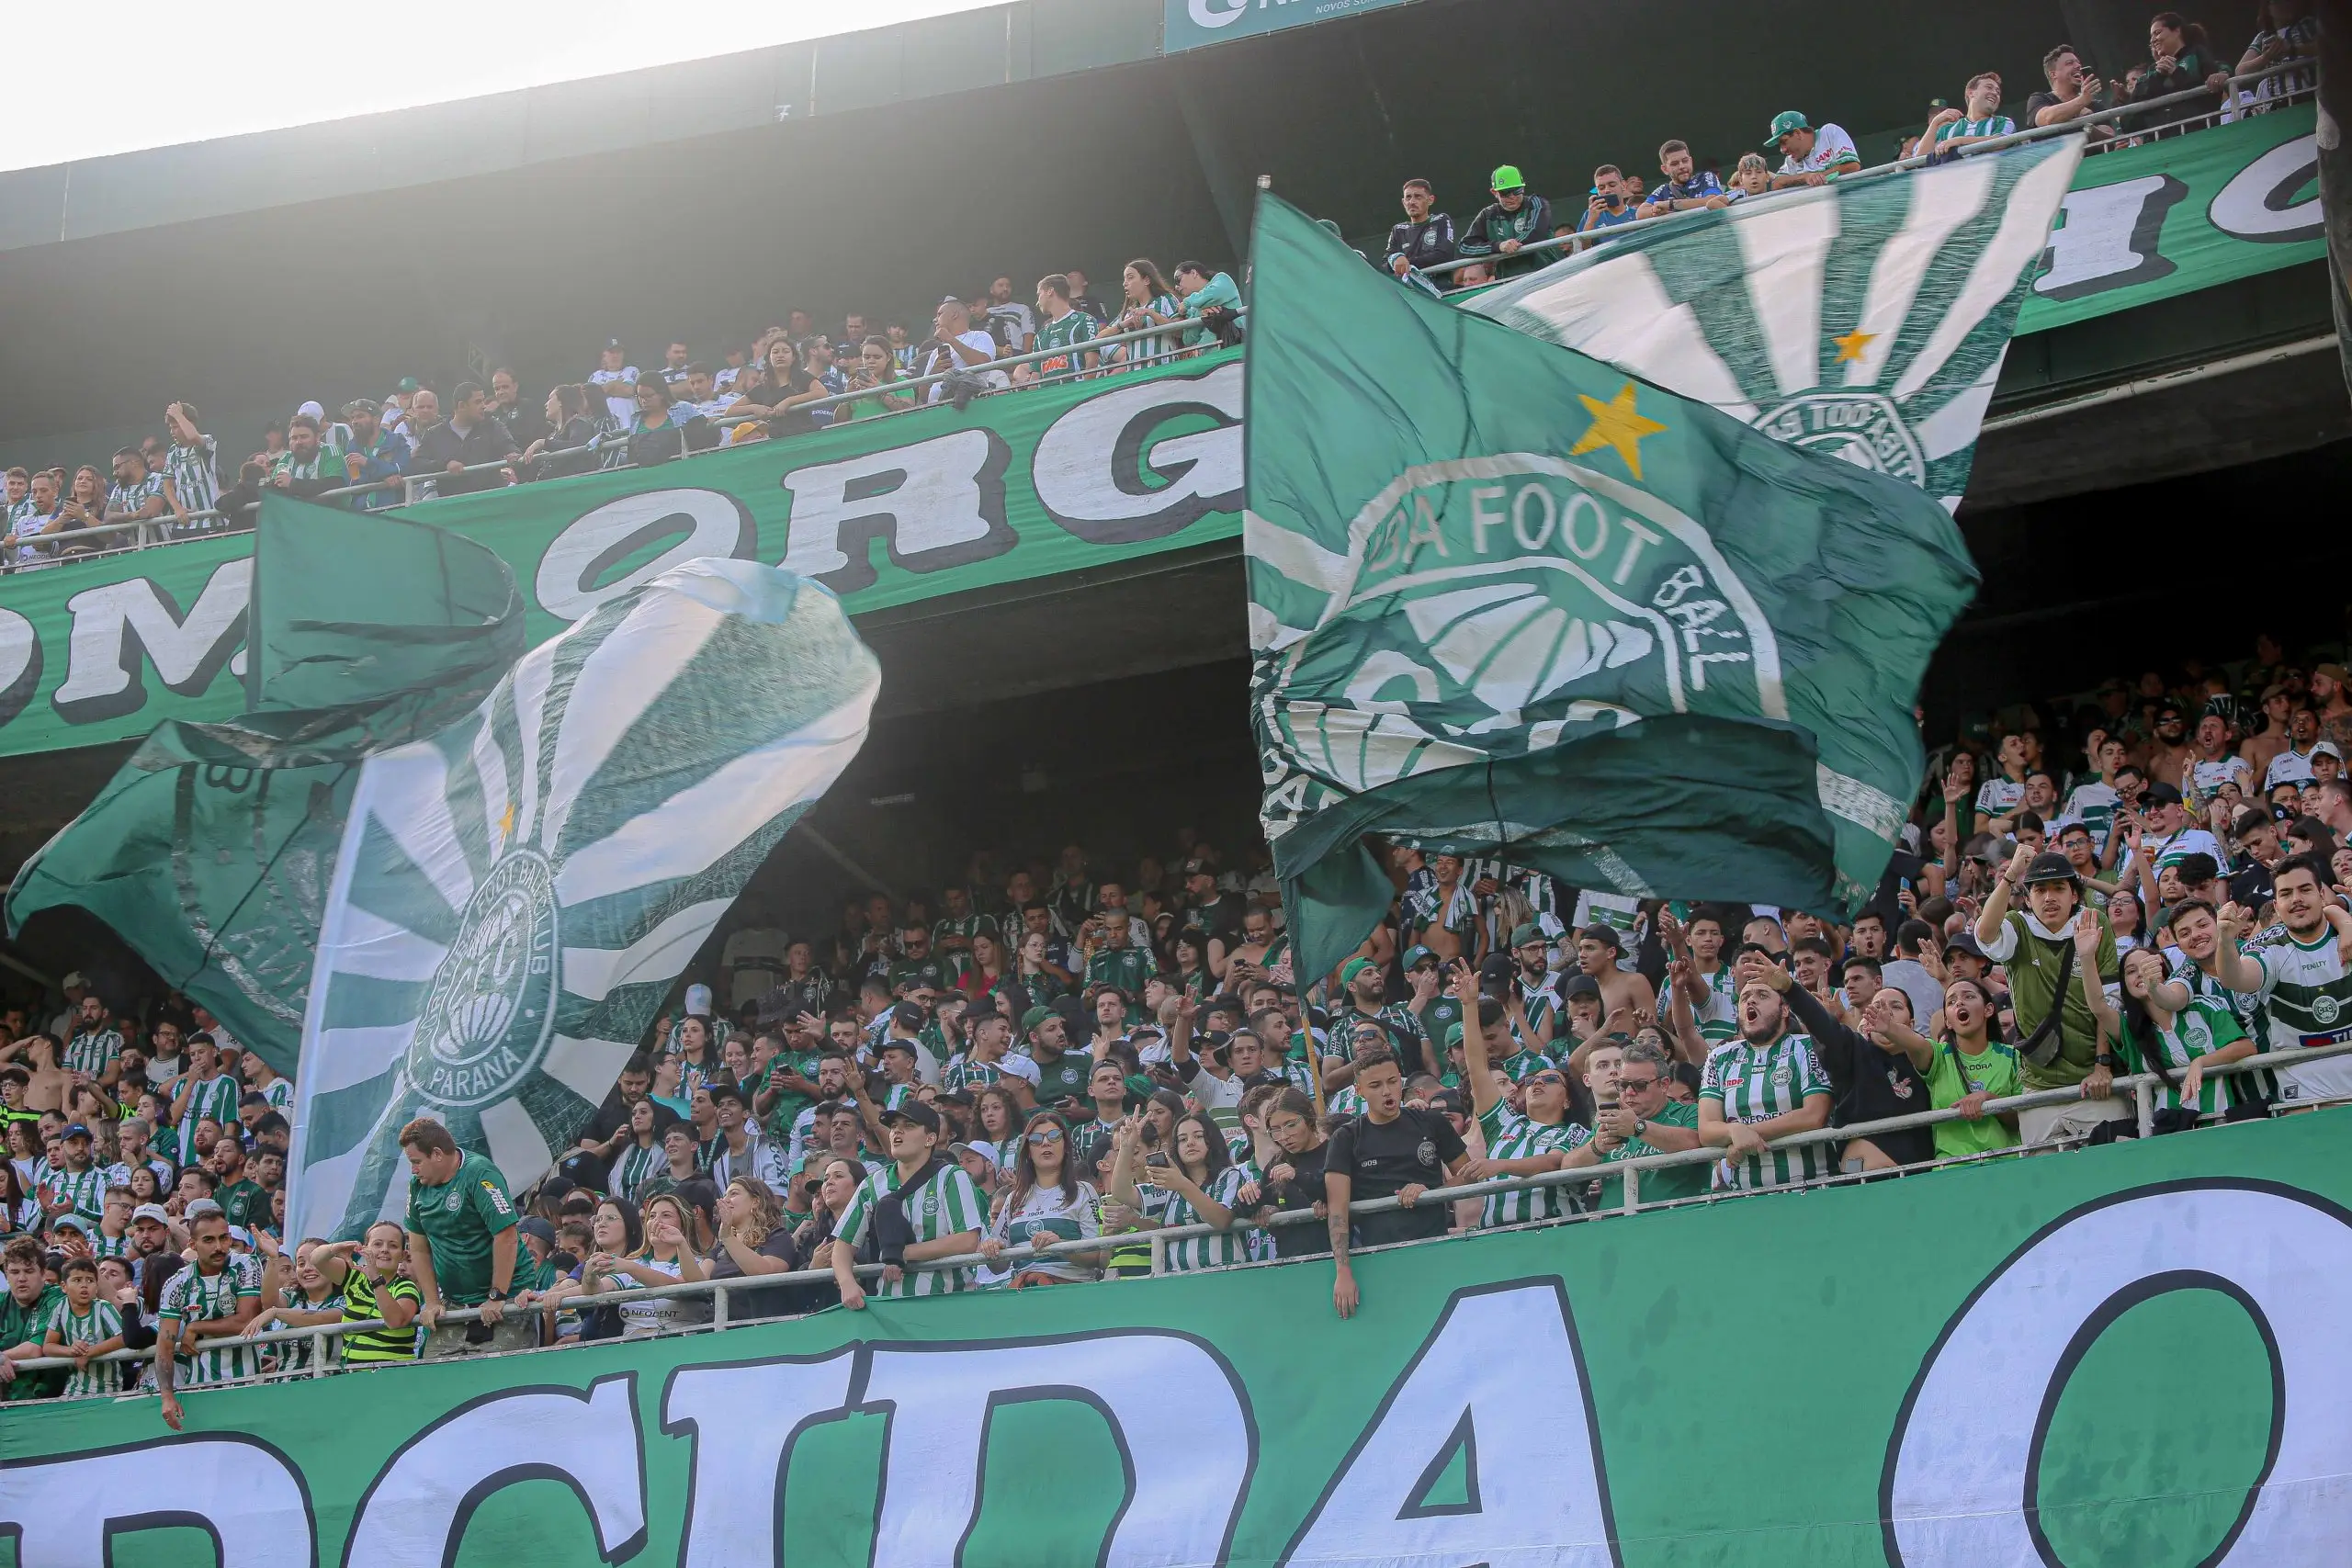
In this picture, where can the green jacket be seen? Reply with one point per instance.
(2033, 965)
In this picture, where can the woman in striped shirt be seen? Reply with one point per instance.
(1193, 1183)
(641, 1158)
(1046, 1204)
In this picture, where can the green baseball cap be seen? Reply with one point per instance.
(1034, 1017)
(1784, 122)
(1351, 969)
(1528, 933)
(1415, 954)
(408, 384)
(1507, 177)
(1452, 1038)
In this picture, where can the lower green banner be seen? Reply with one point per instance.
(2130, 1357)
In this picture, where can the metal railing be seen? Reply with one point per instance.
(2143, 1089)
(1593, 238)
(415, 488)
(418, 489)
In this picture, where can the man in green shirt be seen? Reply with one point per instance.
(917, 967)
(240, 1198)
(1767, 1084)
(462, 1240)
(1112, 958)
(25, 1309)
(1646, 1120)
(1064, 328)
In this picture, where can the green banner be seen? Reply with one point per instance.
(1053, 480)
(2126, 1356)
(1189, 24)
(882, 511)
(2168, 218)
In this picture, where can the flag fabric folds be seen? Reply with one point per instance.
(433, 875)
(209, 850)
(1507, 600)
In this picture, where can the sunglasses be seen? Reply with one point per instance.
(1635, 1086)
(1547, 1077)
(1045, 1135)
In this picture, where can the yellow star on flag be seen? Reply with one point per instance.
(1851, 347)
(507, 821)
(1616, 425)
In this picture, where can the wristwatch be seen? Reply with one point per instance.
(495, 1296)
(2104, 1059)
(1641, 1125)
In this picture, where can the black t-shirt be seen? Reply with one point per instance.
(750, 1303)
(1868, 1084)
(1381, 1161)
(791, 421)
(1303, 1191)
(2251, 885)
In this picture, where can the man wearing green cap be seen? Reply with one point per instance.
(1062, 1072)
(1432, 1008)
(1517, 218)
(1363, 988)
(1809, 156)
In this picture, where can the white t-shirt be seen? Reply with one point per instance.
(1999, 795)
(1020, 320)
(2290, 766)
(2211, 776)
(623, 410)
(1829, 141)
(942, 362)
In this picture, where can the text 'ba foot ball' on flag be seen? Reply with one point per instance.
(1507, 599)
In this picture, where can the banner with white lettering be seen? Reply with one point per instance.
(883, 511)
(2118, 1357)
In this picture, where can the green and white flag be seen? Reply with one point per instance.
(514, 897)
(1507, 600)
(1865, 317)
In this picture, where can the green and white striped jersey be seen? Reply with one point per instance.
(93, 1051)
(195, 1297)
(100, 1323)
(2307, 1000)
(635, 1166)
(85, 1189)
(1217, 1248)
(131, 497)
(195, 477)
(1045, 1219)
(945, 1205)
(1521, 1065)
(214, 1096)
(2201, 1028)
(1756, 1083)
(2093, 805)
(280, 1095)
(966, 1071)
(1511, 1136)
(104, 1246)
(1714, 1007)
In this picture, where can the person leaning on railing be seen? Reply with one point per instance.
(2060, 956)
(367, 1275)
(462, 1240)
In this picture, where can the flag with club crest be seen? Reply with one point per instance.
(467, 874)
(1507, 600)
(515, 896)
(1865, 317)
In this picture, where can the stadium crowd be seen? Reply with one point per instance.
(794, 377)
(1059, 1049)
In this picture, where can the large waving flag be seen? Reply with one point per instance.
(458, 880)
(1866, 318)
(514, 897)
(1507, 600)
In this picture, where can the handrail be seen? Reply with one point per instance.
(408, 484)
(1593, 237)
(2141, 1087)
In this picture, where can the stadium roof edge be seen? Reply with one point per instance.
(155, 187)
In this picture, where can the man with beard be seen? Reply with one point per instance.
(1537, 987)
(1364, 989)
(2296, 969)
(2169, 752)
(1765, 1084)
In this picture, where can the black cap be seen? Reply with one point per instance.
(1580, 986)
(2049, 866)
(2159, 794)
(914, 1110)
(1963, 942)
(611, 342)
(1605, 935)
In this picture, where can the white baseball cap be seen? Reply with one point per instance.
(698, 1001)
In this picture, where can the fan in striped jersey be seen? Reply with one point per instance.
(514, 897)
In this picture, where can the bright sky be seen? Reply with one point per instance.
(231, 66)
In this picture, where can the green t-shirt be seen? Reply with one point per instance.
(1064, 1079)
(459, 1218)
(1075, 328)
(1658, 1186)
(1125, 967)
(908, 972)
(1952, 1077)
(788, 1103)
(20, 1324)
(244, 1201)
